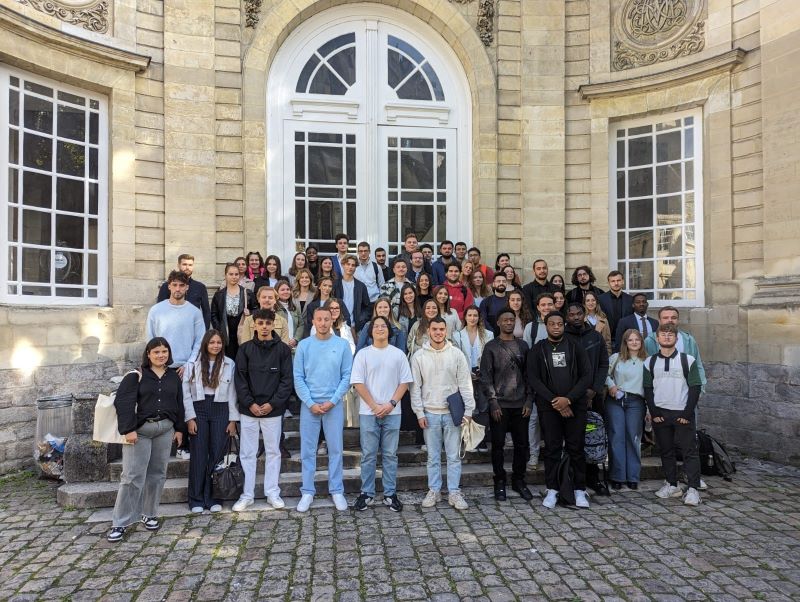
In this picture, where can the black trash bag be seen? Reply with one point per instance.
(566, 481)
(227, 480)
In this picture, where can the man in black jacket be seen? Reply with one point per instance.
(559, 374)
(197, 294)
(263, 386)
(539, 285)
(492, 306)
(503, 380)
(615, 302)
(353, 294)
(592, 342)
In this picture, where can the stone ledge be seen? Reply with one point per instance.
(679, 75)
(57, 40)
(777, 292)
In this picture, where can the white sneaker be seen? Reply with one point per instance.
(305, 502)
(431, 499)
(423, 447)
(182, 454)
(276, 502)
(509, 441)
(668, 490)
(339, 501)
(533, 463)
(215, 508)
(197, 510)
(242, 504)
(322, 450)
(457, 501)
(703, 485)
(550, 499)
(581, 501)
(692, 497)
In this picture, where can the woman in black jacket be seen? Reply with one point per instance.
(149, 405)
(229, 304)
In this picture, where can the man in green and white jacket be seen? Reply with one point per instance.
(672, 389)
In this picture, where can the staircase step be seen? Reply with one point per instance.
(407, 455)
(409, 478)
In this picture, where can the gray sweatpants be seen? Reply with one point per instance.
(144, 470)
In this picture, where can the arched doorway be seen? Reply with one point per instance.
(368, 133)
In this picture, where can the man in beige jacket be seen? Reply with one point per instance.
(439, 370)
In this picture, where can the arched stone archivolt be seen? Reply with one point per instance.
(281, 18)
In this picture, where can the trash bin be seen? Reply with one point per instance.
(53, 426)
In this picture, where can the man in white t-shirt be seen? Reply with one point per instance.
(381, 375)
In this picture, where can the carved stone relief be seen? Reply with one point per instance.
(644, 32)
(252, 12)
(485, 24)
(89, 14)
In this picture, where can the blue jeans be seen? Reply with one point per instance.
(383, 433)
(442, 430)
(332, 424)
(624, 423)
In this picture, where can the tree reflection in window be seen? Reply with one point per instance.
(331, 69)
(410, 74)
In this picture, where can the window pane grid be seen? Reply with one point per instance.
(655, 208)
(53, 240)
(325, 188)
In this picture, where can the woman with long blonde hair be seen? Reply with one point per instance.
(625, 409)
(303, 289)
(596, 317)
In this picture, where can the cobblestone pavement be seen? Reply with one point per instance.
(741, 543)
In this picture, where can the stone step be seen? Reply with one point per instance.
(407, 455)
(409, 478)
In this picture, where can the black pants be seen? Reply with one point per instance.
(561, 433)
(206, 449)
(512, 422)
(408, 419)
(671, 435)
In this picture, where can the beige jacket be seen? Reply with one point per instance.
(438, 373)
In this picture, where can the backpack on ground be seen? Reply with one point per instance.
(595, 446)
(714, 458)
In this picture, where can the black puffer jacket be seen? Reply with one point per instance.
(264, 375)
(595, 347)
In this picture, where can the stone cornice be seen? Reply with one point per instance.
(57, 40)
(672, 77)
(780, 291)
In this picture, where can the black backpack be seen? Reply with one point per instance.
(714, 458)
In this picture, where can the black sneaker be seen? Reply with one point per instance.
(482, 447)
(115, 534)
(522, 489)
(394, 503)
(151, 523)
(363, 502)
(500, 492)
(600, 489)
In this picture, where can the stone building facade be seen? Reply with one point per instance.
(660, 137)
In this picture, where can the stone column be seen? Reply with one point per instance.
(189, 137)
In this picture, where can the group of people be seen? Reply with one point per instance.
(400, 338)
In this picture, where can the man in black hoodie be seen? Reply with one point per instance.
(559, 374)
(264, 383)
(504, 384)
(492, 306)
(592, 342)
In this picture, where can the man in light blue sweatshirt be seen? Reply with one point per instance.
(179, 322)
(322, 365)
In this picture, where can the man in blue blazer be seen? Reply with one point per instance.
(615, 302)
(353, 293)
(638, 320)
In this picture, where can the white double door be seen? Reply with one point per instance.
(372, 182)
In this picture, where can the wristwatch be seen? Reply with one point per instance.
(394, 402)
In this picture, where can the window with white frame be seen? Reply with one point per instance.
(656, 207)
(366, 108)
(53, 174)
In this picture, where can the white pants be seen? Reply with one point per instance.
(271, 431)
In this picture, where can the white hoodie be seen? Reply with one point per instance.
(438, 373)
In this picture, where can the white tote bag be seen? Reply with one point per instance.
(106, 426)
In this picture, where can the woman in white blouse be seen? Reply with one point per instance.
(625, 408)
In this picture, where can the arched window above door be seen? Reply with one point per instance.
(331, 69)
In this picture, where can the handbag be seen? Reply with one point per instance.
(106, 422)
(472, 434)
(456, 404)
(227, 476)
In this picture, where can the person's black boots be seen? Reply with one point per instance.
(522, 489)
